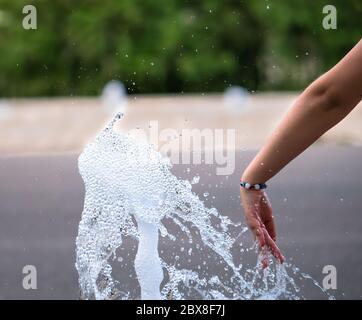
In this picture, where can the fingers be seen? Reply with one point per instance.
(273, 247)
(269, 232)
(264, 256)
(266, 245)
(268, 217)
(259, 218)
(261, 237)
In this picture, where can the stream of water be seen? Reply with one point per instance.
(131, 193)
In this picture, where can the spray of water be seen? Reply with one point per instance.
(132, 194)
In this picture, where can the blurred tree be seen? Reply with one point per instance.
(170, 46)
(297, 48)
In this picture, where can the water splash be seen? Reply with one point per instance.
(132, 194)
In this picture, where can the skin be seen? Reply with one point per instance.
(322, 105)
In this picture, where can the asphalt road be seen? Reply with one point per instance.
(317, 204)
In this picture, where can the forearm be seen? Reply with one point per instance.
(310, 117)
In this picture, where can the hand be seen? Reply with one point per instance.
(259, 218)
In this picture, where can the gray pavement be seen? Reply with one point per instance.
(317, 202)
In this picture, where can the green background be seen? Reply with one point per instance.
(165, 46)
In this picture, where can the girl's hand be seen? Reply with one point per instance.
(259, 218)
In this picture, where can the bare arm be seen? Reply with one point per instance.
(321, 106)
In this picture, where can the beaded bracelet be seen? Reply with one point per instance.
(249, 186)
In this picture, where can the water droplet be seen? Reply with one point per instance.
(195, 180)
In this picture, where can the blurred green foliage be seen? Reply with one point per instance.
(170, 45)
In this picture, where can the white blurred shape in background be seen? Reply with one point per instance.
(236, 99)
(5, 109)
(114, 97)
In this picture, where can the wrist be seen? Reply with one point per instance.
(250, 178)
(248, 181)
